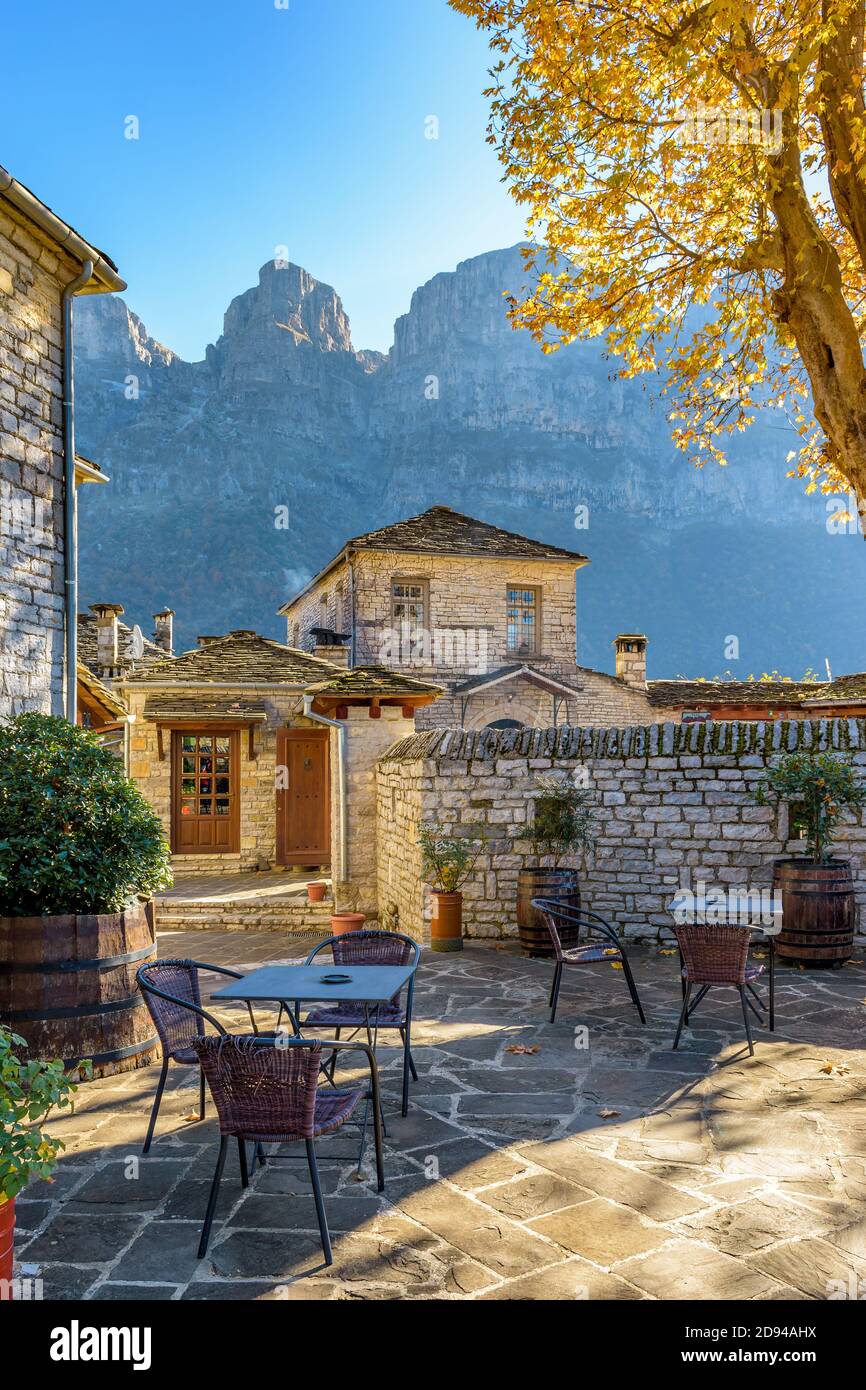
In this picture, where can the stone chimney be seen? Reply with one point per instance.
(163, 634)
(337, 655)
(107, 649)
(631, 658)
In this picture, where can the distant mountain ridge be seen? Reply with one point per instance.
(285, 411)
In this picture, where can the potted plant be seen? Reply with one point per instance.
(346, 917)
(80, 853)
(564, 823)
(446, 863)
(29, 1089)
(316, 892)
(816, 889)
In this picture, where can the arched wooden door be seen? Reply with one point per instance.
(303, 797)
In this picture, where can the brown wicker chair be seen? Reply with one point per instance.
(371, 948)
(716, 954)
(610, 949)
(266, 1091)
(172, 993)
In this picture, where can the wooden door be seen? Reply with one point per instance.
(303, 797)
(205, 791)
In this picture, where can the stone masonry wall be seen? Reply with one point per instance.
(675, 804)
(32, 276)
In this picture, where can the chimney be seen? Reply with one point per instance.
(337, 655)
(107, 651)
(163, 634)
(631, 658)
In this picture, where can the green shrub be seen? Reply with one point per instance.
(564, 820)
(819, 788)
(28, 1091)
(446, 860)
(75, 834)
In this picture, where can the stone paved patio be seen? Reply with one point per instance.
(616, 1170)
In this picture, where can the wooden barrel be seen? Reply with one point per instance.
(67, 986)
(817, 911)
(532, 928)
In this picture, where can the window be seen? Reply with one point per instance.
(523, 616)
(409, 603)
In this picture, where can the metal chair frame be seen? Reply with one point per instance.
(286, 1041)
(148, 989)
(372, 1021)
(582, 917)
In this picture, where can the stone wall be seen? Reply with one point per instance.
(675, 804)
(32, 276)
(366, 740)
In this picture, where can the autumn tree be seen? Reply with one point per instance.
(697, 154)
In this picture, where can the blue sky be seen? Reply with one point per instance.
(259, 127)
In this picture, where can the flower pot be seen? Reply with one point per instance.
(531, 926)
(67, 985)
(817, 911)
(316, 892)
(446, 921)
(342, 922)
(7, 1236)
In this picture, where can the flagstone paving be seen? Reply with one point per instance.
(583, 1159)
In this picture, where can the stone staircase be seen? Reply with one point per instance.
(256, 902)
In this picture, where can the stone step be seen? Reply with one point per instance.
(291, 918)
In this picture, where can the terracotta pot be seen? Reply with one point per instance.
(342, 922)
(7, 1236)
(818, 911)
(545, 883)
(446, 921)
(316, 892)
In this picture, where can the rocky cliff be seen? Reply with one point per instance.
(284, 412)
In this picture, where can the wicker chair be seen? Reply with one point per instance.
(610, 949)
(371, 948)
(265, 1090)
(172, 993)
(716, 954)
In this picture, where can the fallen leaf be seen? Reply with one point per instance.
(519, 1048)
(832, 1069)
(608, 1114)
(615, 965)
(668, 951)
(193, 1115)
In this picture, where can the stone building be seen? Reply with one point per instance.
(256, 755)
(44, 264)
(490, 616)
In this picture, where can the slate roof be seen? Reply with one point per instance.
(372, 680)
(242, 658)
(523, 669)
(97, 689)
(442, 531)
(712, 694)
(87, 643)
(198, 707)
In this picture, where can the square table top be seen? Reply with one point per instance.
(367, 984)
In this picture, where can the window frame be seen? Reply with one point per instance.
(535, 650)
(424, 585)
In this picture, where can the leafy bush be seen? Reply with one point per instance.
(28, 1091)
(821, 787)
(564, 817)
(75, 834)
(447, 860)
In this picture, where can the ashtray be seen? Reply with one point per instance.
(334, 979)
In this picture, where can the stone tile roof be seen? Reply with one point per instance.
(527, 671)
(442, 531)
(87, 644)
(100, 692)
(202, 707)
(712, 694)
(243, 658)
(372, 680)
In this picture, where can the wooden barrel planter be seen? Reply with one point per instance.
(817, 911)
(544, 883)
(67, 986)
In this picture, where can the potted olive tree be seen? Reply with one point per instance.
(563, 826)
(81, 851)
(816, 888)
(447, 861)
(29, 1089)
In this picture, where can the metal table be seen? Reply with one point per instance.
(292, 985)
